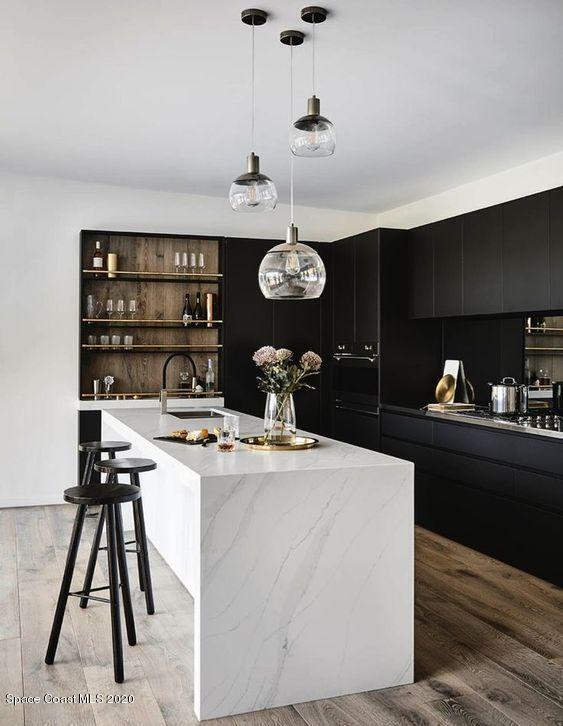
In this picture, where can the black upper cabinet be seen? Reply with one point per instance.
(482, 261)
(447, 238)
(556, 247)
(525, 254)
(343, 313)
(367, 287)
(422, 272)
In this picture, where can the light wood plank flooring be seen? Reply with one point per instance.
(489, 643)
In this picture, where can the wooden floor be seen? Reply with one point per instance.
(489, 643)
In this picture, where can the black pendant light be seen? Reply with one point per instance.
(253, 191)
(291, 270)
(313, 135)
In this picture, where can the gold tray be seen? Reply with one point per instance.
(299, 442)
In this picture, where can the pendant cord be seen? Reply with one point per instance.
(291, 122)
(313, 57)
(253, 104)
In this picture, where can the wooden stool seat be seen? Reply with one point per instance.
(104, 446)
(125, 466)
(102, 494)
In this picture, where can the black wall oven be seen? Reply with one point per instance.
(355, 380)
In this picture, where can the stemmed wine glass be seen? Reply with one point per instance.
(177, 262)
(184, 261)
(109, 308)
(120, 308)
(201, 262)
(132, 308)
(192, 262)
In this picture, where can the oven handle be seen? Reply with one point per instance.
(356, 410)
(350, 356)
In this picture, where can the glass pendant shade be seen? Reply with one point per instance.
(253, 191)
(312, 135)
(292, 271)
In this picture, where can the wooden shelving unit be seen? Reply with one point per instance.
(148, 276)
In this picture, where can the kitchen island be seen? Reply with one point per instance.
(300, 563)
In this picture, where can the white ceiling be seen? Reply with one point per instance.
(425, 94)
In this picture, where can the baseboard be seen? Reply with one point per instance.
(30, 501)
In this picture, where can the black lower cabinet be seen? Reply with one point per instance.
(360, 428)
(498, 493)
(89, 429)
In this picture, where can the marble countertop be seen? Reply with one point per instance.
(154, 403)
(208, 461)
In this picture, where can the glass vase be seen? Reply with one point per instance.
(279, 418)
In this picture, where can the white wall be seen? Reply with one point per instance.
(520, 181)
(40, 223)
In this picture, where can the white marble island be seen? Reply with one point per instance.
(300, 564)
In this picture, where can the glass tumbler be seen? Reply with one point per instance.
(225, 440)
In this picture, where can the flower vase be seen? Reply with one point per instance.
(279, 418)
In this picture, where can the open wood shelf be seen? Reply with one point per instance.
(152, 394)
(156, 322)
(151, 276)
(162, 348)
(544, 351)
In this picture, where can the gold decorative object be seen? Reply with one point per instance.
(445, 390)
(258, 443)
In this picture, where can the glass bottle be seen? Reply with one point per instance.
(209, 376)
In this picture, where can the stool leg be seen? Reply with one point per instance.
(124, 577)
(65, 584)
(88, 469)
(93, 557)
(114, 594)
(138, 537)
(142, 541)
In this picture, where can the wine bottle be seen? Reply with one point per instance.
(187, 311)
(209, 377)
(209, 306)
(198, 310)
(98, 259)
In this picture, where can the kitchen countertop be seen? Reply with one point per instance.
(103, 404)
(458, 418)
(207, 461)
(300, 563)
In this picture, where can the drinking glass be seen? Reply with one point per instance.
(90, 306)
(104, 339)
(116, 339)
(201, 262)
(232, 423)
(109, 308)
(225, 440)
(177, 263)
(128, 340)
(184, 261)
(98, 308)
(132, 308)
(92, 340)
(120, 308)
(192, 262)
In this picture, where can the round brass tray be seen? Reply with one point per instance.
(299, 442)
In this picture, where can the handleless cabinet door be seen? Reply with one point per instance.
(343, 292)
(525, 254)
(482, 262)
(447, 267)
(367, 287)
(556, 247)
(422, 272)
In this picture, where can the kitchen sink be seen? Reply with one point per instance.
(196, 413)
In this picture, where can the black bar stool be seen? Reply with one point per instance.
(110, 496)
(133, 467)
(92, 448)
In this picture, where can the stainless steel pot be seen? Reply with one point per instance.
(509, 396)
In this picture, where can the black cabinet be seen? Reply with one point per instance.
(422, 272)
(344, 298)
(367, 287)
(254, 321)
(556, 247)
(482, 260)
(500, 493)
(447, 237)
(356, 427)
(525, 254)
(251, 323)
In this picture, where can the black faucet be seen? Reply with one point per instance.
(163, 394)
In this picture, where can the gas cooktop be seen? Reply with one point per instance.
(546, 420)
